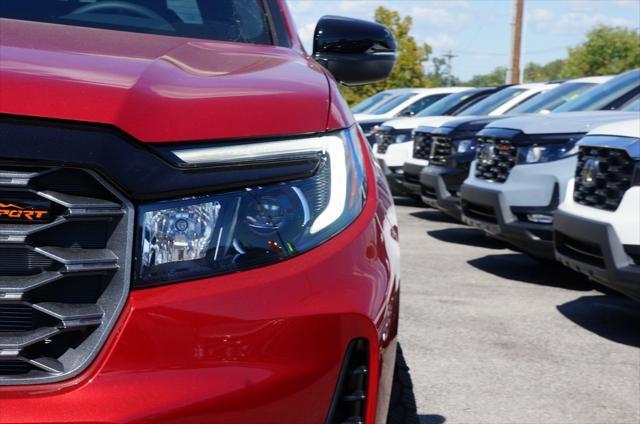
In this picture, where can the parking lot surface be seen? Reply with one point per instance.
(492, 336)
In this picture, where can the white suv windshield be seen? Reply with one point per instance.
(552, 99)
(372, 102)
(601, 96)
(494, 101)
(391, 104)
(226, 20)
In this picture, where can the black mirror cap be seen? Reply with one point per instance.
(354, 51)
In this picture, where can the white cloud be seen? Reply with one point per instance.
(306, 34)
(442, 41)
(427, 16)
(571, 22)
(627, 4)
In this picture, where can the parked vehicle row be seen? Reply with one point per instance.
(508, 175)
(401, 102)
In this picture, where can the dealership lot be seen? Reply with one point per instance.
(492, 336)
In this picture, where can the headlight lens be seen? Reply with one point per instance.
(546, 153)
(465, 146)
(401, 138)
(203, 236)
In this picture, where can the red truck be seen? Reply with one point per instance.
(195, 230)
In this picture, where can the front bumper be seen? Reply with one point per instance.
(394, 178)
(411, 177)
(259, 346)
(594, 249)
(262, 346)
(440, 188)
(488, 210)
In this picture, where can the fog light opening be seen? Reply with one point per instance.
(540, 218)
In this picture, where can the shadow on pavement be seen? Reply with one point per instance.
(467, 236)
(402, 405)
(614, 318)
(434, 215)
(432, 419)
(520, 267)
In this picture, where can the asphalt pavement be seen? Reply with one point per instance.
(492, 336)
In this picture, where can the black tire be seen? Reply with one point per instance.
(402, 405)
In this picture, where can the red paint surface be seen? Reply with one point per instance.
(261, 346)
(159, 88)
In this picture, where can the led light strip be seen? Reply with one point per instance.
(338, 196)
(333, 145)
(250, 151)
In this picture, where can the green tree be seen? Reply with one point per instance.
(495, 77)
(549, 71)
(438, 76)
(607, 50)
(408, 71)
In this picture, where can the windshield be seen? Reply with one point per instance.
(421, 104)
(226, 20)
(372, 102)
(601, 96)
(552, 99)
(494, 101)
(391, 104)
(443, 106)
(633, 105)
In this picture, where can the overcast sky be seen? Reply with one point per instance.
(479, 31)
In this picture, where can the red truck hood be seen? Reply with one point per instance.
(159, 88)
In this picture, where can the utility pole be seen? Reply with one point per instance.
(449, 56)
(516, 49)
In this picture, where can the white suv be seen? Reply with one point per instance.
(497, 104)
(521, 173)
(597, 227)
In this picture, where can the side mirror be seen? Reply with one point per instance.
(354, 51)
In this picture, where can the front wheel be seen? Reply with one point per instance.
(402, 405)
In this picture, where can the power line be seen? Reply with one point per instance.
(550, 49)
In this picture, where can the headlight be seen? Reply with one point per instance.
(546, 153)
(221, 233)
(465, 146)
(401, 138)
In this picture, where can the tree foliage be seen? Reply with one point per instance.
(534, 72)
(408, 71)
(495, 77)
(607, 50)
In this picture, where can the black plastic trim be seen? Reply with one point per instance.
(357, 351)
(135, 168)
(113, 262)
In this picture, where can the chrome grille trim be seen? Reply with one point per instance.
(611, 180)
(496, 166)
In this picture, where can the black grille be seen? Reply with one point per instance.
(422, 145)
(603, 175)
(441, 149)
(495, 159)
(582, 251)
(63, 278)
(350, 399)
(385, 139)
